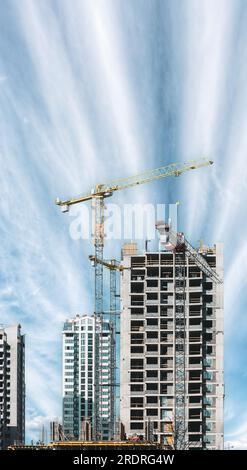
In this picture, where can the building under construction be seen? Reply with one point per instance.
(171, 367)
(171, 330)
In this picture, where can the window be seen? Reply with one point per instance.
(152, 412)
(136, 402)
(136, 414)
(136, 388)
(136, 377)
(152, 361)
(136, 349)
(136, 364)
(136, 426)
(152, 387)
(152, 373)
(152, 335)
(152, 348)
(152, 322)
(194, 388)
(194, 413)
(152, 400)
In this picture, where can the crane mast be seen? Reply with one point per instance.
(97, 196)
(182, 249)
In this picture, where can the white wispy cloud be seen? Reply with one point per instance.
(74, 105)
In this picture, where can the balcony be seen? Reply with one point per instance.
(151, 289)
(152, 302)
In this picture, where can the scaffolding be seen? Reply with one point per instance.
(113, 326)
(176, 242)
(180, 332)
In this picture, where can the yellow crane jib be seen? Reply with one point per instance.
(106, 190)
(111, 264)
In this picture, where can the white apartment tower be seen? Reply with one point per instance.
(147, 363)
(12, 386)
(79, 335)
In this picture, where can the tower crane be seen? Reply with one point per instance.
(97, 196)
(113, 266)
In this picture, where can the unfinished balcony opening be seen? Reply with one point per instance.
(195, 283)
(152, 400)
(166, 311)
(152, 298)
(194, 389)
(166, 272)
(194, 427)
(152, 285)
(137, 274)
(194, 362)
(152, 310)
(136, 388)
(166, 299)
(166, 376)
(195, 375)
(166, 337)
(136, 415)
(152, 387)
(136, 312)
(166, 286)
(136, 376)
(194, 272)
(195, 336)
(195, 298)
(137, 261)
(195, 413)
(166, 259)
(136, 338)
(152, 348)
(152, 336)
(152, 412)
(137, 325)
(151, 375)
(137, 300)
(195, 323)
(152, 362)
(136, 426)
(195, 349)
(152, 259)
(137, 287)
(153, 272)
(208, 324)
(195, 311)
(196, 400)
(166, 389)
(136, 402)
(211, 261)
(166, 363)
(137, 350)
(136, 364)
(166, 350)
(152, 323)
(165, 324)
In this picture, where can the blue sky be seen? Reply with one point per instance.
(91, 91)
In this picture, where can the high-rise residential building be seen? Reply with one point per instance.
(79, 349)
(12, 386)
(147, 364)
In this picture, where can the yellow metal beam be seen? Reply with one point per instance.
(106, 190)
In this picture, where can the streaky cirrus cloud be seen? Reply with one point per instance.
(105, 89)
